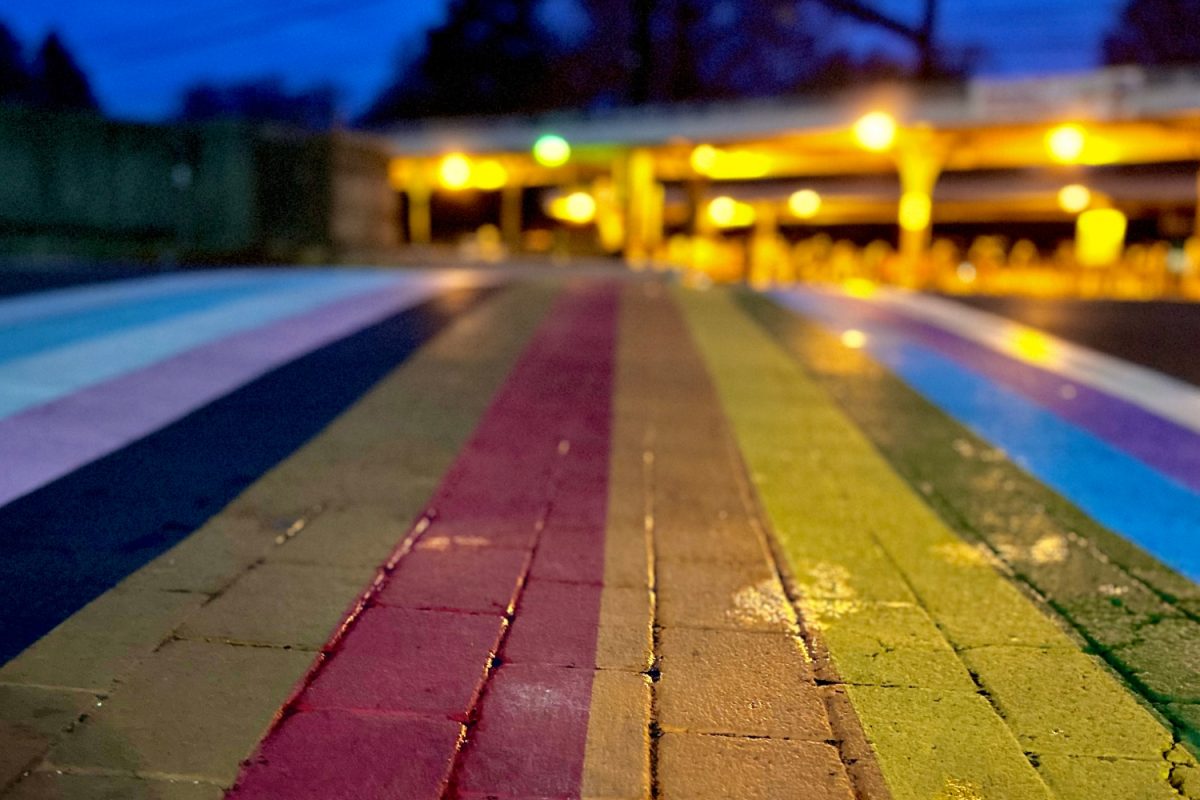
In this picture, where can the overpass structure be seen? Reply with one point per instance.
(916, 155)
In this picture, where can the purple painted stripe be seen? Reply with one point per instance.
(1169, 448)
(44, 443)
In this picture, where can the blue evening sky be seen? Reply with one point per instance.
(140, 54)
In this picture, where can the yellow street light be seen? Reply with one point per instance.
(577, 208)
(805, 203)
(704, 158)
(1065, 143)
(454, 171)
(1074, 198)
(725, 212)
(551, 150)
(876, 131)
(490, 175)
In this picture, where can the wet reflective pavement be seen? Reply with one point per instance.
(450, 535)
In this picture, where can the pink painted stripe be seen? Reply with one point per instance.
(418, 649)
(44, 443)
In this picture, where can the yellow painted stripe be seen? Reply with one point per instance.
(954, 673)
(617, 758)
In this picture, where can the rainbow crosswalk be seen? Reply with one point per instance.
(315, 533)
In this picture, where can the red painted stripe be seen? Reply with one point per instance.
(514, 533)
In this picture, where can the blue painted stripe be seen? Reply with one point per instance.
(40, 335)
(31, 381)
(1116, 489)
(26, 308)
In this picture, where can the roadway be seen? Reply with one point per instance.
(552, 534)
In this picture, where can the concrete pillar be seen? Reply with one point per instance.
(764, 244)
(420, 215)
(919, 160)
(1196, 227)
(642, 199)
(511, 223)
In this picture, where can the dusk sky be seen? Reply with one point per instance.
(140, 54)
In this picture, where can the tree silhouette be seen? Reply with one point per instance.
(14, 76)
(262, 100)
(1156, 32)
(58, 82)
(490, 57)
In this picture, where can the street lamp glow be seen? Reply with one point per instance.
(551, 150)
(805, 203)
(454, 171)
(1065, 143)
(725, 212)
(722, 210)
(876, 131)
(704, 158)
(1074, 198)
(490, 175)
(579, 207)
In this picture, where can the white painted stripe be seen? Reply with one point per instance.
(1160, 394)
(43, 377)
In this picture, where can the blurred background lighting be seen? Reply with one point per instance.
(551, 150)
(876, 131)
(1074, 198)
(915, 211)
(1100, 237)
(725, 212)
(454, 171)
(805, 203)
(854, 339)
(1065, 143)
(490, 175)
(577, 208)
(704, 158)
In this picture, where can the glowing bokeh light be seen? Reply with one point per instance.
(577, 208)
(805, 203)
(854, 339)
(454, 171)
(725, 212)
(876, 131)
(1074, 198)
(704, 158)
(1065, 143)
(551, 150)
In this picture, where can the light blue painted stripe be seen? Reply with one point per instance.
(26, 308)
(1116, 489)
(41, 378)
(36, 336)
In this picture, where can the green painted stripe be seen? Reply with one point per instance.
(1135, 612)
(956, 674)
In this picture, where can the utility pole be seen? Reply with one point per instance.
(925, 41)
(643, 51)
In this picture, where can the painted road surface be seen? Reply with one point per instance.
(408, 534)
